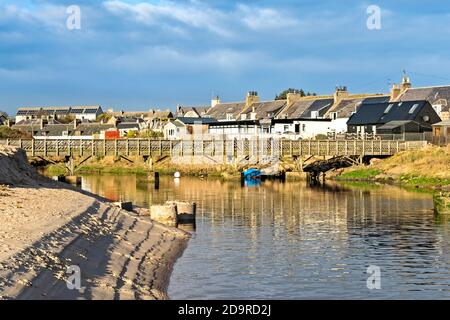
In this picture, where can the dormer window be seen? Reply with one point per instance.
(244, 116)
(229, 116)
(314, 114)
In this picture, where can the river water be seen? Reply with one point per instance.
(293, 241)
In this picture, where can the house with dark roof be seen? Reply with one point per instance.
(31, 127)
(393, 118)
(437, 96)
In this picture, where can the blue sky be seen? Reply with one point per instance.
(143, 54)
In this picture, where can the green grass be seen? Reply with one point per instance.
(360, 174)
(423, 181)
(55, 170)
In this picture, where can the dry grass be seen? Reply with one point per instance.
(431, 162)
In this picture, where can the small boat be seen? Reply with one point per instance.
(251, 174)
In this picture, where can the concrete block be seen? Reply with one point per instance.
(166, 214)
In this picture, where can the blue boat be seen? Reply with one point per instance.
(252, 174)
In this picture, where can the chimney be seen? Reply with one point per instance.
(215, 101)
(41, 124)
(340, 93)
(252, 97)
(293, 97)
(406, 84)
(395, 92)
(75, 124)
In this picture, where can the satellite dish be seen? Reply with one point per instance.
(426, 118)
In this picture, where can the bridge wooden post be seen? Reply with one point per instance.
(160, 148)
(291, 148)
(7, 142)
(309, 147)
(346, 147)
(81, 147)
(32, 148)
(116, 152)
(181, 148)
(398, 147)
(139, 146)
(104, 147)
(128, 147)
(171, 148)
(92, 147)
(45, 147)
(149, 147)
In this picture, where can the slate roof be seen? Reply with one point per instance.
(220, 110)
(432, 94)
(128, 125)
(92, 128)
(303, 108)
(381, 113)
(187, 120)
(346, 107)
(57, 129)
(265, 109)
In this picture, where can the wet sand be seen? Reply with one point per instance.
(46, 227)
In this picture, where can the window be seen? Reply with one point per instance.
(334, 115)
(413, 108)
(229, 116)
(314, 114)
(389, 107)
(286, 128)
(303, 127)
(437, 108)
(244, 116)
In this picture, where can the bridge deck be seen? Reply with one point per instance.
(235, 148)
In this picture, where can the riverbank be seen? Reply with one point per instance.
(136, 165)
(428, 168)
(47, 227)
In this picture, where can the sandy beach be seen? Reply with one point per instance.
(46, 227)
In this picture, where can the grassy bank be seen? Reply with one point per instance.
(426, 168)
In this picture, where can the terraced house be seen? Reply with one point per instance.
(87, 113)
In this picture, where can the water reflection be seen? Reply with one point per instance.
(289, 240)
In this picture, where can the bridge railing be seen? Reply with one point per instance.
(233, 148)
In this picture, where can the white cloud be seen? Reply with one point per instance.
(265, 18)
(194, 14)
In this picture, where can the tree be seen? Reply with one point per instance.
(301, 92)
(67, 119)
(104, 116)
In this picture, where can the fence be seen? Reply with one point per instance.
(212, 148)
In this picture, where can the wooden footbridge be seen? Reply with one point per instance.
(211, 148)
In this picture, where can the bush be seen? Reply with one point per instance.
(8, 133)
